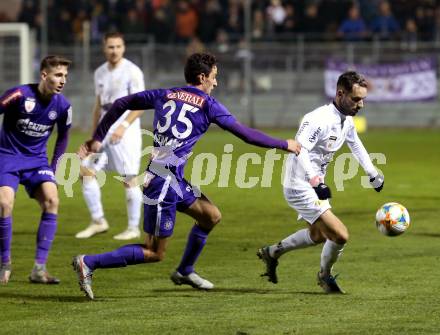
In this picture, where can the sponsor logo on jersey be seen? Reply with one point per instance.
(29, 105)
(314, 136)
(52, 115)
(303, 126)
(192, 99)
(14, 95)
(47, 173)
(33, 129)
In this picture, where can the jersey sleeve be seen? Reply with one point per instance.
(137, 83)
(359, 152)
(97, 83)
(220, 115)
(137, 101)
(10, 99)
(64, 122)
(309, 132)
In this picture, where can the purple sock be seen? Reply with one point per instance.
(5, 239)
(45, 236)
(127, 255)
(196, 241)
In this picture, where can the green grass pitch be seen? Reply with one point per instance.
(392, 284)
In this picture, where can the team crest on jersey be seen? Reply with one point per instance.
(29, 104)
(331, 141)
(52, 115)
(168, 225)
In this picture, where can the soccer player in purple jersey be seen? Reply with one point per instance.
(30, 113)
(182, 115)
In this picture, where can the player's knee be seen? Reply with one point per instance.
(215, 216)
(50, 203)
(6, 206)
(316, 234)
(342, 237)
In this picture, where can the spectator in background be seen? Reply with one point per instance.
(78, 25)
(312, 24)
(64, 32)
(210, 22)
(132, 26)
(385, 26)
(409, 35)
(235, 18)
(187, 21)
(291, 22)
(353, 28)
(258, 25)
(27, 13)
(99, 22)
(162, 23)
(368, 8)
(276, 14)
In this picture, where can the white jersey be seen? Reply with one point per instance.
(323, 132)
(111, 84)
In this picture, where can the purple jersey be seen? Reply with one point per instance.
(28, 122)
(181, 116)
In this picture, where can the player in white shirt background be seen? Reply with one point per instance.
(116, 78)
(322, 132)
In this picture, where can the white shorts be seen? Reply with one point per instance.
(124, 157)
(306, 203)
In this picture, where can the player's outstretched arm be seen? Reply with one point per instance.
(260, 139)
(360, 153)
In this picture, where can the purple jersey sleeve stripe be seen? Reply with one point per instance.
(255, 137)
(60, 147)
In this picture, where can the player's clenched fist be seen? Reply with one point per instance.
(293, 146)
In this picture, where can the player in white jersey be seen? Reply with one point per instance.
(322, 132)
(116, 78)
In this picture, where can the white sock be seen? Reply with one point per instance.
(92, 196)
(330, 254)
(300, 239)
(133, 196)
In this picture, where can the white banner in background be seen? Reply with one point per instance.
(413, 80)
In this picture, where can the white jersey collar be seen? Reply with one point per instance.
(338, 113)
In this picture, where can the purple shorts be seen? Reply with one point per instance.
(161, 201)
(31, 179)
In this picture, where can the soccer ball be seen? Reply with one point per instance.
(392, 219)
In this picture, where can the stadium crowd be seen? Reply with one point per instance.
(180, 21)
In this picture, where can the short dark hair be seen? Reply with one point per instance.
(350, 78)
(54, 61)
(113, 34)
(197, 64)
